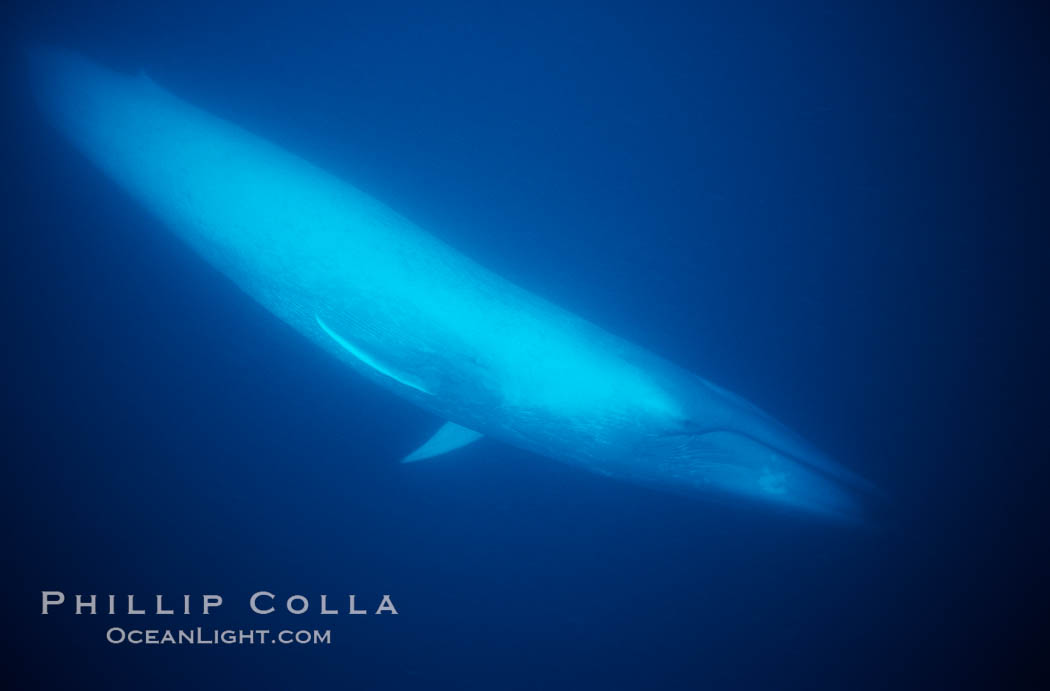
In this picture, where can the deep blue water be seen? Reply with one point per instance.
(836, 212)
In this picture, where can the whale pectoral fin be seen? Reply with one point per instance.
(404, 378)
(449, 437)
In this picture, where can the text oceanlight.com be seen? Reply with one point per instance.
(262, 604)
(202, 636)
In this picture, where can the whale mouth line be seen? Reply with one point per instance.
(741, 464)
(827, 469)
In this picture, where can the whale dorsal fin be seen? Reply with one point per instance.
(408, 380)
(449, 437)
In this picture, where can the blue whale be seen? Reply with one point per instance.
(415, 316)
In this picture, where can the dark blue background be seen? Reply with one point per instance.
(837, 212)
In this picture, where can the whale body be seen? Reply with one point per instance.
(415, 316)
